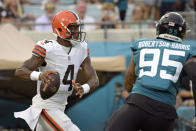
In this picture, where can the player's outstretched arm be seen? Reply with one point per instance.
(130, 76)
(28, 66)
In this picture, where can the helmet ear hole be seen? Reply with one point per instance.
(60, 29)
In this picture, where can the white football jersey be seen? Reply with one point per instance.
(64, 60)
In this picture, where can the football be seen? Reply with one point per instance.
(52, 88)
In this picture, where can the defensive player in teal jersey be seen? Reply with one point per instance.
(153, 78)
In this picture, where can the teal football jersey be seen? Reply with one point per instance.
(158, 67)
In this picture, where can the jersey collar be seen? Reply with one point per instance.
(170, 37)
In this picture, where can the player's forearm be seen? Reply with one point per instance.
(90, 73)
(130, 76)
(130, 79)
(185, 93)
(30, 65)
(23, 73)
(93, 81)
(128, 83)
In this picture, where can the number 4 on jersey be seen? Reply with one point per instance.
(70, 69)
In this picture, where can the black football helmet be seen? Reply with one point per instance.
(171, 26)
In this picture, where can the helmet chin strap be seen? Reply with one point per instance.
(73, 42)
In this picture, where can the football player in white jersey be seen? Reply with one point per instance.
(65, 55)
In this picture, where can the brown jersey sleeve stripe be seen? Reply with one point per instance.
(50, 121)
(38, 53)
(40, 48)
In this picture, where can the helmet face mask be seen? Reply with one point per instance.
(67, 26)
(76, 34)
(171, 26)
(74, 29)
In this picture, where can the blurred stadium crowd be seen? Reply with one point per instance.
(36, 15)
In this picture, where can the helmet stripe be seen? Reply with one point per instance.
(77, 17)
(65, 27)
(58, 33)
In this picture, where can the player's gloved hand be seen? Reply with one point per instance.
(78, 88)
(45, 78)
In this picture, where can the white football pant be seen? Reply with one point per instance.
(55, 120)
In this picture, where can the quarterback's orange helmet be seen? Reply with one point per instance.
(62, 23)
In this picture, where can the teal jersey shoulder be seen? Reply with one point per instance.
(158, 67)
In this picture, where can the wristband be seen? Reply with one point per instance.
(86, 88)
(35, 75)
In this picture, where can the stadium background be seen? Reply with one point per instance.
(92, 112)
